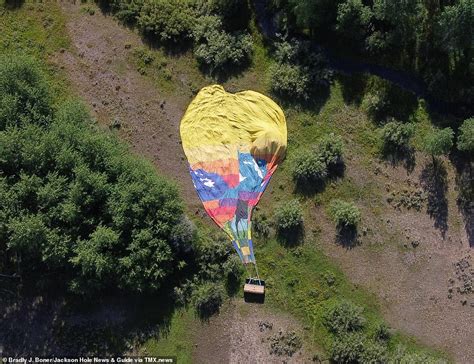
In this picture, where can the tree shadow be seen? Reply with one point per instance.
(226, 72)
(57, 325)
(347, 236)
(400, 156)
(353, 87)
(311, 187)
(315, 101)
(465, 182)
(290, 237)
(13, 4)
(435, 183)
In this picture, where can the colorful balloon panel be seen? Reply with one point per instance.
(233, 143)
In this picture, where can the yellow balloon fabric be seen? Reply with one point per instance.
(233, 143)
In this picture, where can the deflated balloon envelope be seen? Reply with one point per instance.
(233, 143)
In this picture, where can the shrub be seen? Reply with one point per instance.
(344, 317)
(216, 48)
(285, 344)
(169, 21)
(207, 299)
(288, 216)
(299, 71)
(375, 104)
(24, 94)
(347, 348)
(344, 214)
(235, 13)
(221, 49)
(289, 80)
(403, 356)
(127, 11)
(439, 142)
(396, 135)
(307, 167)
(466, 136)
(330, 149)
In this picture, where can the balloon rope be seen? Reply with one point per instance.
(248, 273)
(256, 270)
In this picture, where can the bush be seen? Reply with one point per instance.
(330, 149)
(344, 317)
(221, 49)
(344, 214)
(24, 94)
(439, 142)
(396, 135)
(288, 216)
(308, 166)
(403, 356)
(289, 80)
(127, 11)
(299, 72)
(207, 299)
(285, 344)
(215, 48)
(347, 348)
(466, 136)
(375, 104)
(169, 21)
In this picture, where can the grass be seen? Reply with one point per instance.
(178, 341)
(38, 30)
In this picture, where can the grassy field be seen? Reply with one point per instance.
(301, 279)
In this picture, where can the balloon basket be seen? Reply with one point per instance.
(254, 290)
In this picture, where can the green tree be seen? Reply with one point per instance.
(353, 20)
(439, 142)
(466, 136)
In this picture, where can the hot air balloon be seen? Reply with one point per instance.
(233, 143)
